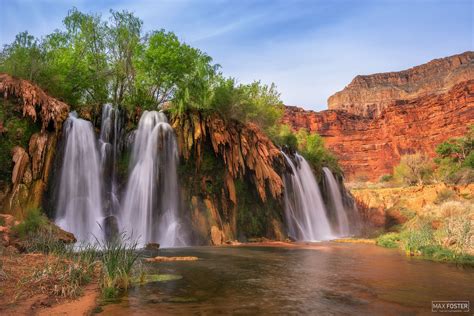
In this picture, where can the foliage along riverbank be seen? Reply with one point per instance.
(426, 207)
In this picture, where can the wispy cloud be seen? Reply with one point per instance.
(310, 49)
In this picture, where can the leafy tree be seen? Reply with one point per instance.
(23, 58)
(197, 89)
(123, 36)
(414, 169)
(256, 103)
(162, 64)
(284, 137)
(455, 158)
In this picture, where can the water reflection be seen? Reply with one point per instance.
(328, 279)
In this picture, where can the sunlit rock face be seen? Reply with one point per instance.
(368, 146)
(369, 95)
(230, 179)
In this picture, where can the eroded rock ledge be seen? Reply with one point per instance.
(35, 102)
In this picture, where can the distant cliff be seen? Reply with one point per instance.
(369, 147)
(369, 95)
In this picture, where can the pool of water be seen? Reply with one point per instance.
(323, 279)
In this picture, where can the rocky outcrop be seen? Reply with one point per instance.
(35, 103)
(32, 159)
(245, 150)
(369, 95)
(230, 175)
(370, 147)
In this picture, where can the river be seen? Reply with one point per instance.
(318, 279)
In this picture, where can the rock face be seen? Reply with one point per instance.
(369, 147)
(33, 160)
(230, 178)
(369, 95)
(35, 102)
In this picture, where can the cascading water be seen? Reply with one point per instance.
(150, 205)
(110, 147)
(79, 199)
(335, 198)
(304, 208)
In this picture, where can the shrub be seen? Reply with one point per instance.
(445, 195)
(389, 240)
(414, 169)
(458, 231)
(386, 178)
(34, 220)
(417, 234)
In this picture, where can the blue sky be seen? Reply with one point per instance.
(310, 49)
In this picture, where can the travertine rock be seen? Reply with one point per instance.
(36, 103)
(244, 149)
(369, 95)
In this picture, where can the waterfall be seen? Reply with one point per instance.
(150, 205)
(110, 147)
(79, 203)
(336, 202)
(304, 208)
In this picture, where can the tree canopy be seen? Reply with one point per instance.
(93, 60)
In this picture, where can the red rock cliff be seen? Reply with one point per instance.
(369, 147)
(370, 95)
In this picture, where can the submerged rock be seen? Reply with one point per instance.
(170, 259)
(152, 246)
(149, 278)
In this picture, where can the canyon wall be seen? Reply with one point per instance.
(369, 147)
(369, 95)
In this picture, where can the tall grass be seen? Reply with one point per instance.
(117, 257)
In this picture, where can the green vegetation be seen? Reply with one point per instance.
(75, 266)
(92, 61)
(455, 159)
(386, 178)
(117, 258)
(310, 146)
(389, 240)
(18, 131)
(414, 169)
(454, 164)
(451, 241)
(33, 222)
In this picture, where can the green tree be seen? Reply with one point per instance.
(123, 38)
(162, 64)
(414, 169)
(23, 58)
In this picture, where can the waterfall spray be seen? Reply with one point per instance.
(109, 144)
(79, 203)
(150, 205)
(335, 198)
(304, 208)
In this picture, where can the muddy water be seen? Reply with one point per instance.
(327, 279)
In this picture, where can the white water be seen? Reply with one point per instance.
(109, 141)
(304, 208)
(79, 203)
(150, 204)
(335, 197)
